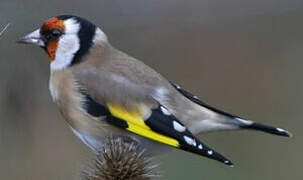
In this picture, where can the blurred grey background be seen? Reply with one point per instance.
(244, 56)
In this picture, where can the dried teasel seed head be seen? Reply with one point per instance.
(121, 158)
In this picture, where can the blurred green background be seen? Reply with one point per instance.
(244, 56)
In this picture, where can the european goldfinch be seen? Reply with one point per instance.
(102, 91)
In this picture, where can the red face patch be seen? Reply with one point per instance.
(53, 23)
(51, 49)
(49, 25)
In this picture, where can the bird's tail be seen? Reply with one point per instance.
(235, 123)
(245, 124)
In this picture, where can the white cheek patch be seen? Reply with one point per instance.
(68, 45)
(71, 26)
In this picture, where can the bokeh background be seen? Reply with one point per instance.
(244, 56)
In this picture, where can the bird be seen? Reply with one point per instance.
(102, 91)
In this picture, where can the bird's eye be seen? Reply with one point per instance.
(56, 33)
(52, 35)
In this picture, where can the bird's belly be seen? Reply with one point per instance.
(95, 132)
(92, 142)
(91, 131)
(96, 139)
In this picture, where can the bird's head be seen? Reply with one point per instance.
(66, 39)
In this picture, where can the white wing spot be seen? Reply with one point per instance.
(177, 86)
(200, 146)
(280, 130)
(178, 126)
(196, 97)
(210, 152)
(226, 162)
(165, 111)
(190, 141)
(246, 122)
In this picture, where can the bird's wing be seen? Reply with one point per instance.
(163, 127)
(140, 114)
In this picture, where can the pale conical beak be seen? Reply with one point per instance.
(32, 38)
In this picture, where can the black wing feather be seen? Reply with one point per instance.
(196, 100)
(164, 124)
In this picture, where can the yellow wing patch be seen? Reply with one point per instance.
(137, 125)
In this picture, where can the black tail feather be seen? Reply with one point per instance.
(268, 129)
(245, 124)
